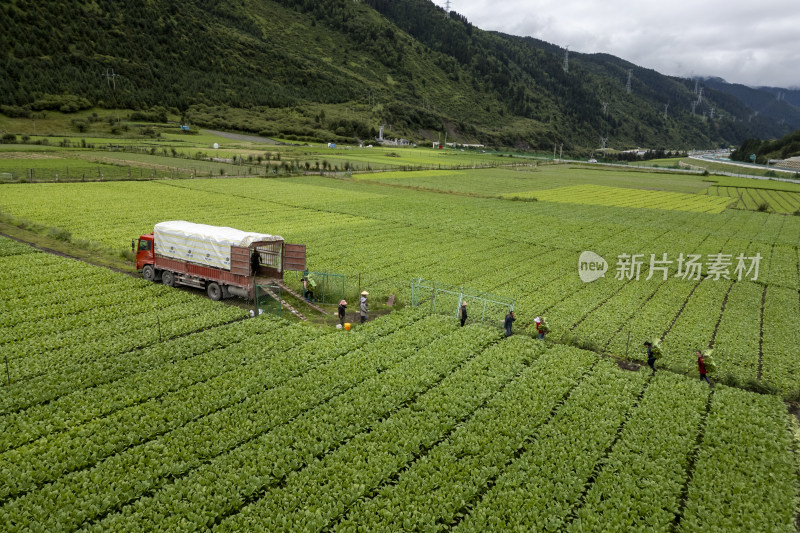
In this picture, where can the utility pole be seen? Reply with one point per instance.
(111, 79)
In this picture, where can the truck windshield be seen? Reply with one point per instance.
(144, 245)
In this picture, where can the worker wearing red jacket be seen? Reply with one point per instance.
(701, 365)
(539, 327)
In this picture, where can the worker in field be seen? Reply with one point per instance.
(463, 313)
(540, 331)
(510, 318)
(308, 286)
(364, 295)
(651, 358)
(701, 365)
(342, 309)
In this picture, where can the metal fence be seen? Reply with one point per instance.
(329, 288)
(447, 299)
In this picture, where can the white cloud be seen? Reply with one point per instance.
(755, 43)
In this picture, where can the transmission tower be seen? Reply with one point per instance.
(605, 108)
(700, 96)
(603, 141)
(711, 113)
(566, 59)
(447, 8)
(628, 84)
(111, 78)
(666, 106)
(694, 105)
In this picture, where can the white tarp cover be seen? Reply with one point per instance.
(201, 243)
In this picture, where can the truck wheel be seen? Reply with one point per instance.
(214, 291)
(168, 278)
(149, 273)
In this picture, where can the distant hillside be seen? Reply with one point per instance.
(780, 105)
(783, 148)
(339, 69)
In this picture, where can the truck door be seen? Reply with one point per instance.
(294, 257)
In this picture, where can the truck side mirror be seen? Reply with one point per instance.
(133, 246)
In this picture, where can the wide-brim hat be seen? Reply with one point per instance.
(463, 303)
(364, 293)
(537, 319)
(343, 302)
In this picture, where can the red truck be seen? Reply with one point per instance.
(223, 261)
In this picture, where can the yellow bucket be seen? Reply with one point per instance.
(347, 326)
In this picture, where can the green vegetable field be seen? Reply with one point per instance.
(130, 406)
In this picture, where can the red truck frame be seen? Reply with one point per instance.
(273, 258)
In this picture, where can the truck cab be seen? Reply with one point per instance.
(145, 256)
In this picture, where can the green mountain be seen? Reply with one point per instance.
(783, 148)
(340, 69)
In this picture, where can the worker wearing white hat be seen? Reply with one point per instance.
(364, 295)
(342, 309)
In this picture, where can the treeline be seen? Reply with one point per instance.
(783, 148)
(410, 64)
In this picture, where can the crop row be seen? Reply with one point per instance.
(737, 343)
(781, 336)
(749, 198)
(52, 353)
(9, 248)
(249, 414)
(313, 497)
(637, 198)
(48, 388)
(538, 490)
(437, 488)
(744, 478)
(321, 416)
(209, 394)
(641, 484)
(201, 364)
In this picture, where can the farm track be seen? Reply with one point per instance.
(684, 494)
(761, 335)
(721, 313)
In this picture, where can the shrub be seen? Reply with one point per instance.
(763, 207)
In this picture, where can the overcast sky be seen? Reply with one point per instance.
(755, 43)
